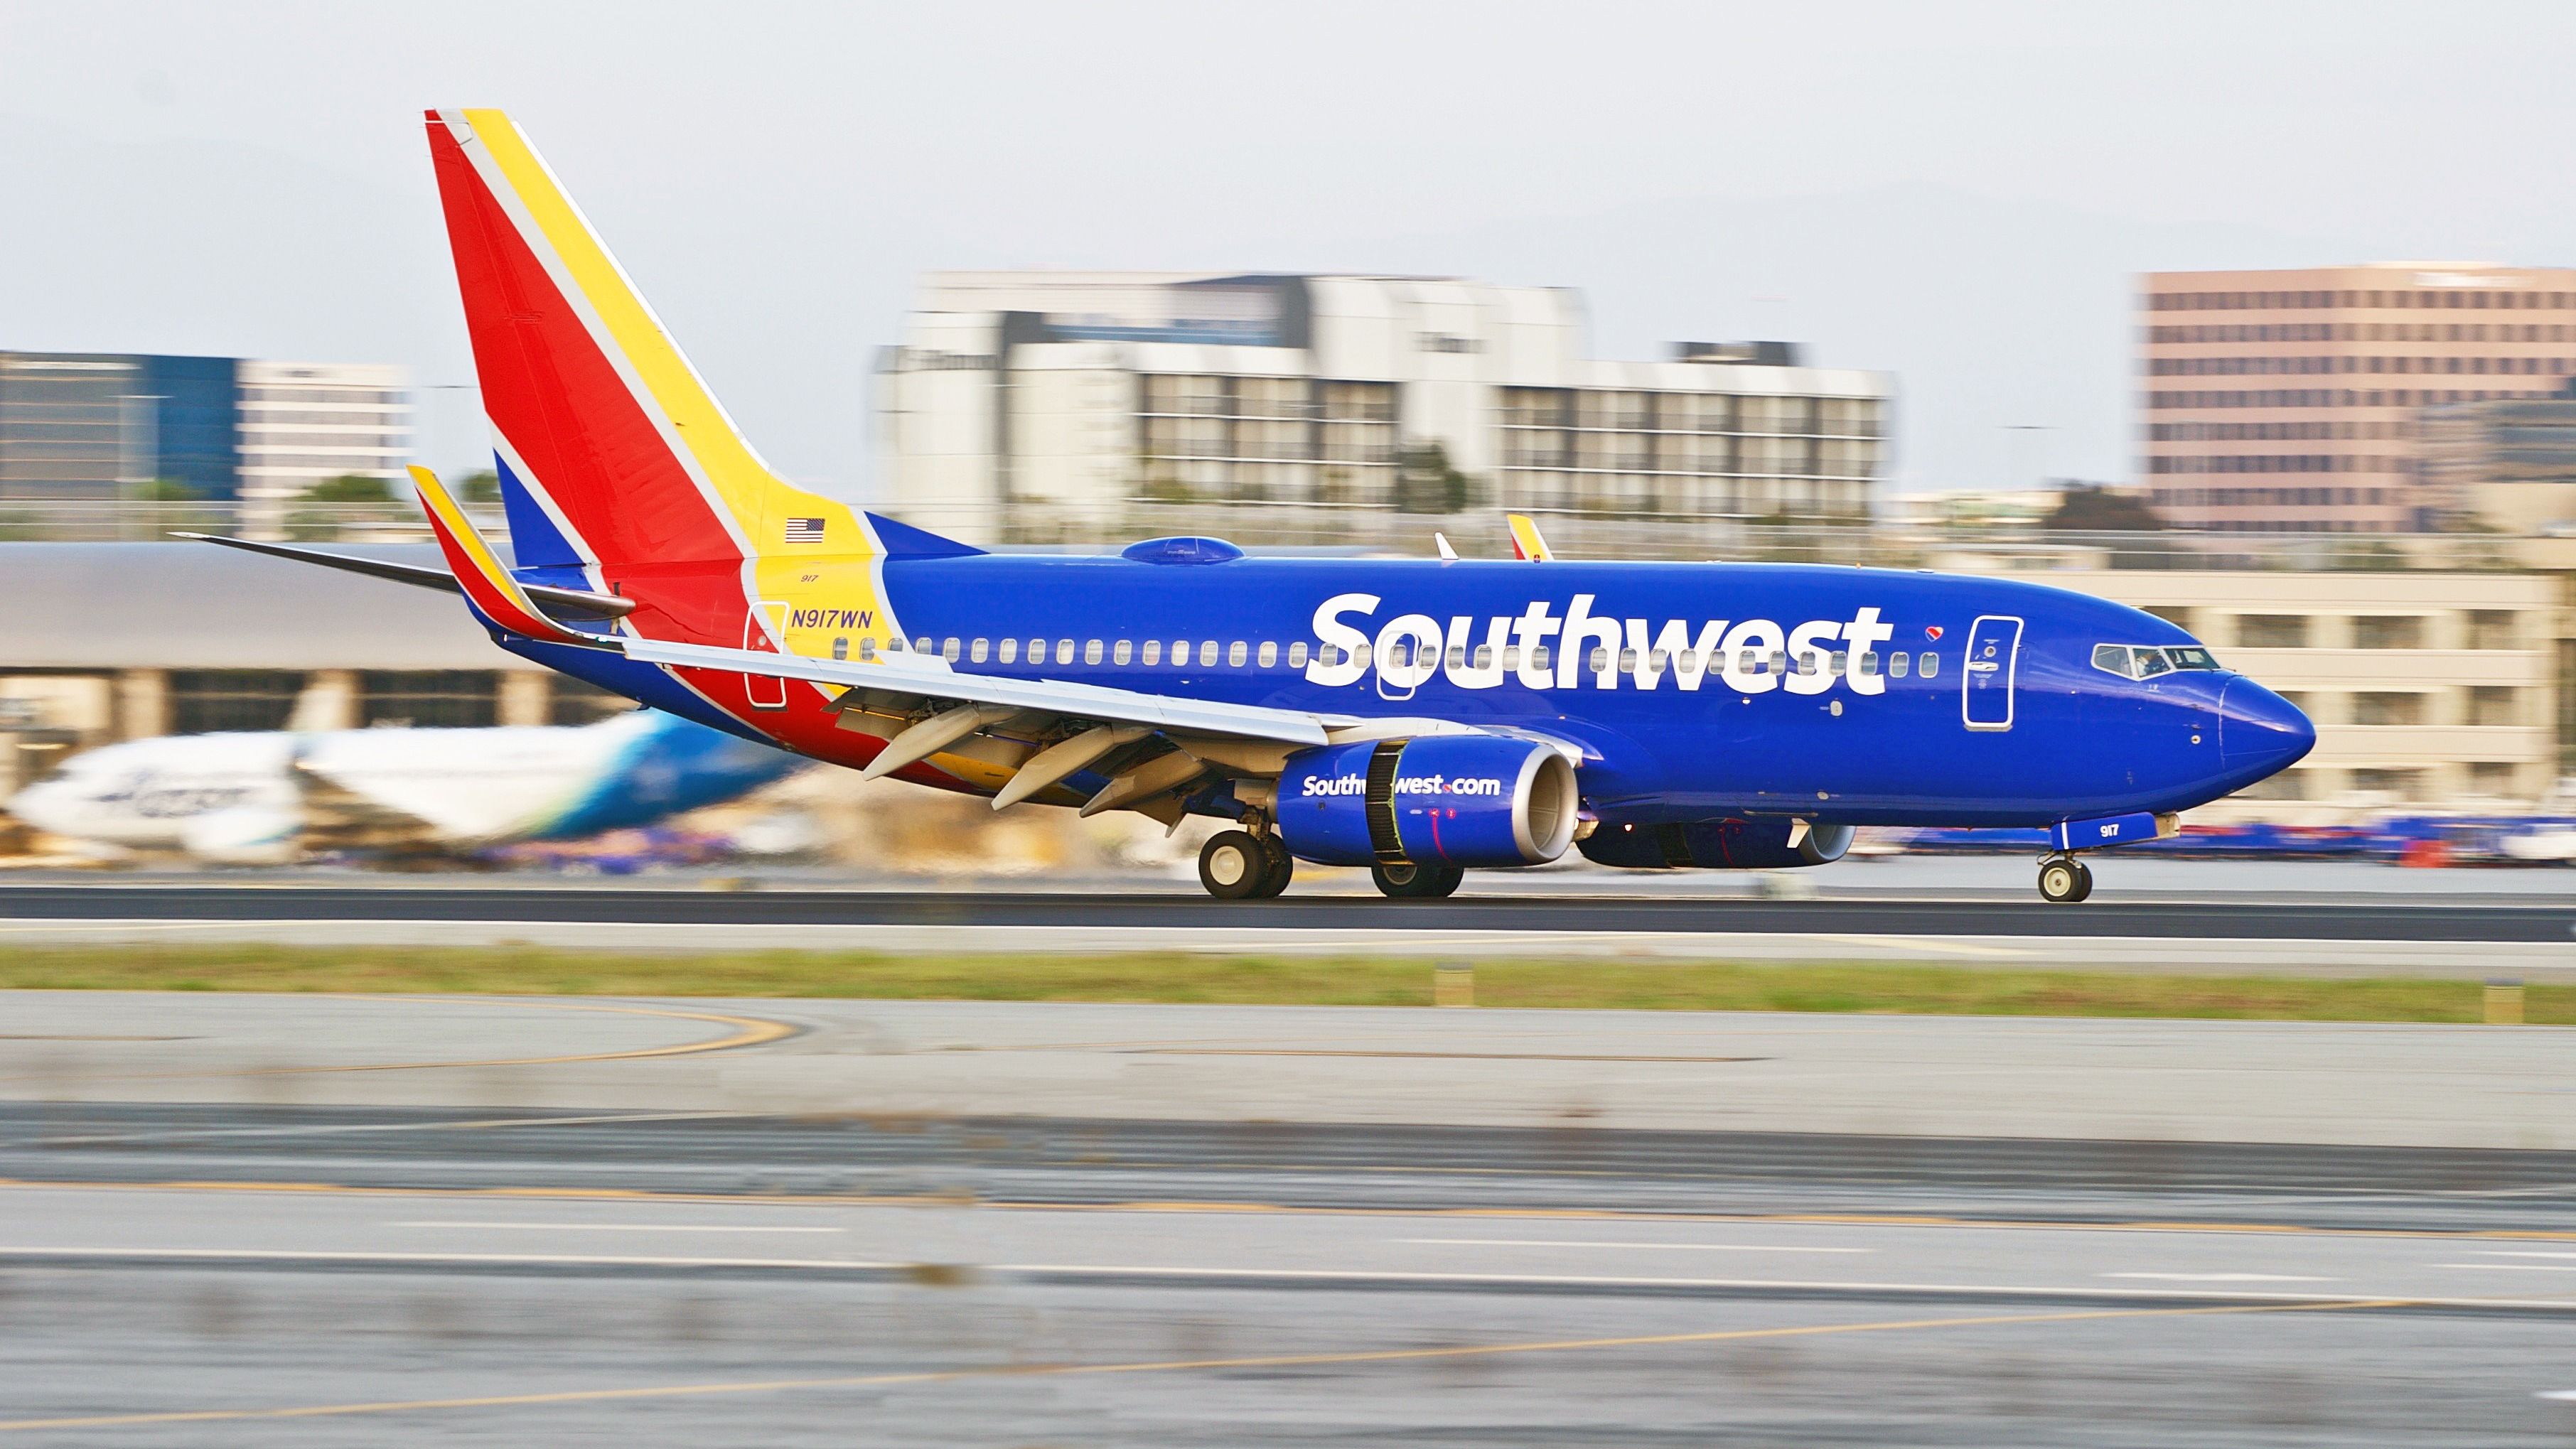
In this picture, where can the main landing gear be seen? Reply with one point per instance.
(1409, 882)
(2064, 880)
(1237, 865)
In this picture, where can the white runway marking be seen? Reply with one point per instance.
(1672, 1247)
(2516, 1267)
(614, 1227)
(2223, 1277)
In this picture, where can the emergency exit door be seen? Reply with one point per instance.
(1994, 649)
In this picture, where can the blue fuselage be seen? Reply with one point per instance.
(2038, 735)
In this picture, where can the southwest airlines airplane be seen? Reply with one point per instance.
(1421, 718)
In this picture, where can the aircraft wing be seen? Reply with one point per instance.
(1051, 696)
(925, 708)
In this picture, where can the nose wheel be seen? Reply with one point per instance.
(2064, 880)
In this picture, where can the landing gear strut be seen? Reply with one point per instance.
(2064, 880)
(1410, 882)
(1237, 865)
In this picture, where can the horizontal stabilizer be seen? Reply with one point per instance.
(575, 603)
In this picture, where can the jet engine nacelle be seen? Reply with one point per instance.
(1718, 845)
(1466, 800)
(243, 835)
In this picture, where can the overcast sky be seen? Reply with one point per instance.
(1957, 194)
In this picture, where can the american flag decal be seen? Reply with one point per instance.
(804, 530)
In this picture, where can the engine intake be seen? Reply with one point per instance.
(1468, 800)
(1730, 844)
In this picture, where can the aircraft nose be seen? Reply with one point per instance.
(39, 806)
(2259, 732)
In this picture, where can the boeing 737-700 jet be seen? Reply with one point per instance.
(1421, 718)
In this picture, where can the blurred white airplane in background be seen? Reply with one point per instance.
(273, 797)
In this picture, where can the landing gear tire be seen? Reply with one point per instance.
(1278, 867)
(1233, 866)
(2064, 880)
(1416, 882)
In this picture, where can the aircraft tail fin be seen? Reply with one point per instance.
(612, 451)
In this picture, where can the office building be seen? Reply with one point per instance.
(103, 426)
(303, 423)
(2507, 464)
(1073, 394)
(2293, 401)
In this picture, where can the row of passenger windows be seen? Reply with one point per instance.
(1266, 655)
(1093, 651)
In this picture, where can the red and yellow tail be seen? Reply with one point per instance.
(614, 457)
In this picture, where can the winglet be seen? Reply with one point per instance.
(488, 586)
(1526, 543)
(1447, 554)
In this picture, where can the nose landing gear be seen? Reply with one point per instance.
(2064, 880)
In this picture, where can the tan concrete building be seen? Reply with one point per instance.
(1020, 397)
(2291, 401)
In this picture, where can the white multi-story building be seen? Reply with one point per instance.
(303, 423)
(1074, 393)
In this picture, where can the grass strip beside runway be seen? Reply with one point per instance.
(1252, 979)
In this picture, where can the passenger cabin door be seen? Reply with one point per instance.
(763, 691)
(1994, 649)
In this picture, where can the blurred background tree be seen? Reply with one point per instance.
(2087, 507)
(1426, 481)
(349, 488)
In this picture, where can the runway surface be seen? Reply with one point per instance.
(2369, 920)
(1571, 1072)
(741, 1280)
(231, 1219)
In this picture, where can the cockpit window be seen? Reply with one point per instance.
(2143, 661)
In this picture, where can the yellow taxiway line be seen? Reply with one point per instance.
(748, 1031)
